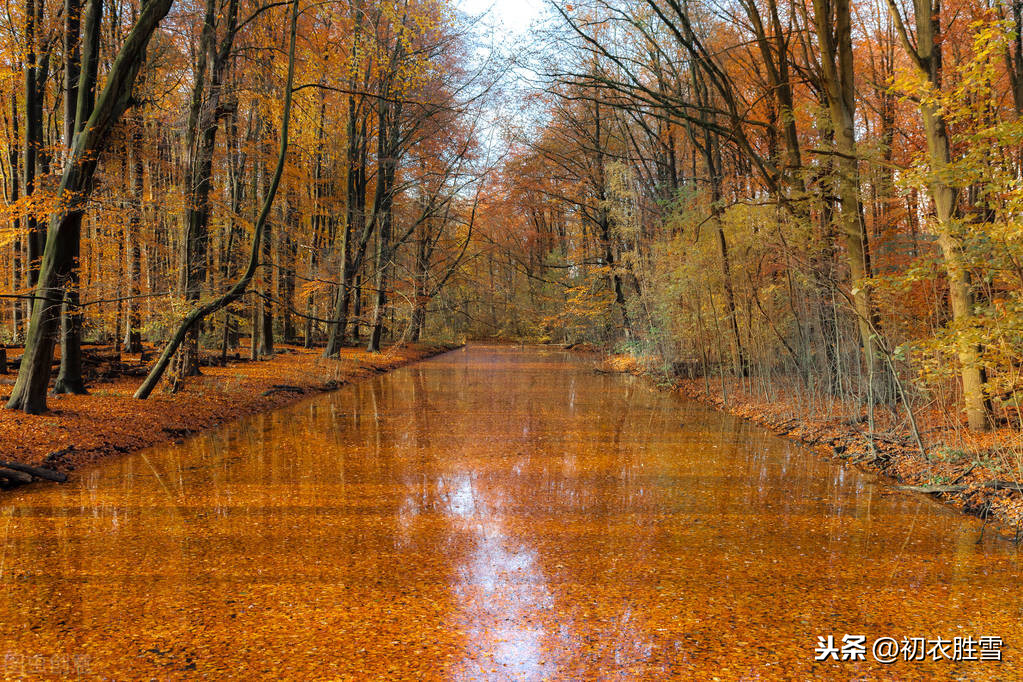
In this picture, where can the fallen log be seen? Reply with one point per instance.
(932, 489)
(38, 472)
(283, 388)
(14, 476)
(965, 473)
(990, 485)
(1004, 485)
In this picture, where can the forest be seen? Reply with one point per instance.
(310, 165)
(811, 204)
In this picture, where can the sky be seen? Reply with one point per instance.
(512, 15)
(503, 32)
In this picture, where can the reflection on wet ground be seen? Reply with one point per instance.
(494, 513)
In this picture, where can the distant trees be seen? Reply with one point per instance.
(811, 192)
(801, 190)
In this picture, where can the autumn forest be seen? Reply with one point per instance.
(804, 213)
(825, 190)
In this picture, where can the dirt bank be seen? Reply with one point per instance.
(80, 430)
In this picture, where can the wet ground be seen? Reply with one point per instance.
(493, 513)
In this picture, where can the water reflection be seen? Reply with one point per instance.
(493, 513)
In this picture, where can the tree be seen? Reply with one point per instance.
(81, 85)
(926, 58)
(196, 315)
(29, 392)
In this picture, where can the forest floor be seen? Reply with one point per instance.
(82, 429)
(979, 474)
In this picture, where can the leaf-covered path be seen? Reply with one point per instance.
(493, 513)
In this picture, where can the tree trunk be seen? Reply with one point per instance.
(960, 296)
(83, 83)
(204, 120)
(387, 151)
(833, 23)
(33, 130)
(605, 223)
(357, 310)
(29, 392)
(420, 279)
(926, 56)
(254, 323)
(69, 378)
(356, 225)
(236, 291)
(266, 307)
(316, 223)
(132, 238)
(286, 279)
(17, 262)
